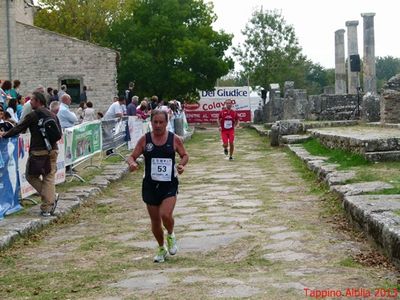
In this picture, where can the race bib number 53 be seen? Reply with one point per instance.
(161, 169)
(228, 124)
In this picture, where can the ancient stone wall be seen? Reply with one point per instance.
(332, 107)
(390, 101)
(297, 105)
(47, 58)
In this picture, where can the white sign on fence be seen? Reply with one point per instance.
(135, 126)
(24, 142)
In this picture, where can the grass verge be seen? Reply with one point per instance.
(343, 158)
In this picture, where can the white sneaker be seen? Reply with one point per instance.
(171, 243)
(161, 254)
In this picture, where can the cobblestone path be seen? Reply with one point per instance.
(248, 228)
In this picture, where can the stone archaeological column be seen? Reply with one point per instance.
(352, 49)
(369, 69)
(340, 65)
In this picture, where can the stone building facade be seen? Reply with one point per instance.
(37, 56)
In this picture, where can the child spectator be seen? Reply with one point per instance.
(80, 110)
(89, 113)
(5, 125)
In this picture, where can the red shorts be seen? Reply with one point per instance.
(227, 136)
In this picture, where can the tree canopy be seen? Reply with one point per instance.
(271, 54)
(168, 47)
(88, 20)
(386, 68)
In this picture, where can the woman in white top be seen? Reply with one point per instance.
(89, 114)
(12, 109)
(79, 111)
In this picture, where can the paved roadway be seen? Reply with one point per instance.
(249, 228)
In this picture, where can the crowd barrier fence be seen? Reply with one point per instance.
(9, 184)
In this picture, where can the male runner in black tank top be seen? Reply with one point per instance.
(160, 182)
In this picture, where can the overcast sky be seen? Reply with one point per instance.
(315, 23)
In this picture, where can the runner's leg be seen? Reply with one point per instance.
(156, 228)
(166, 212)
(224, 138)
(231, 145)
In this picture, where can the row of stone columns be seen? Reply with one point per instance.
(369, 70)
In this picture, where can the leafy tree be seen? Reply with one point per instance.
(271, 54)
(317, 77)
(168, 47)
(386, 67)
(233, 79)
(88, 20)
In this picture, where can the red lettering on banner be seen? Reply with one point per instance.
(213, 106)
(211, 116)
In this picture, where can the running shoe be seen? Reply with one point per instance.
(171, 243)
(45, 214)
(57, 197)
(230, 158)
(226, 151)
(161, 255)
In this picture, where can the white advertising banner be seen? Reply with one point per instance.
(212, 102)
(135, 126)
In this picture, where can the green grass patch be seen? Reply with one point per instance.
(349, 262)
(7, 261)
(316, 187)
(103, 208)
(397, 212)
(62, 285)
(343, 158)
(113, 159)
(381, 171)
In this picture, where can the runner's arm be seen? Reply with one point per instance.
(182, 153)
(133, 165)
(219, 121)
(236, 120)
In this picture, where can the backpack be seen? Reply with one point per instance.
(49, 129)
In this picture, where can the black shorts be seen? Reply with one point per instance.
(153, 192)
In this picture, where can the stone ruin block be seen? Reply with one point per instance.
(276, 109)
(275, 90)
(390, 101)
(288, 89)
(296, 106)
(370, 108)
(287, 127)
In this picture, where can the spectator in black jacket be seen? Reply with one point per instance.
(43, 183)
(129, 93)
